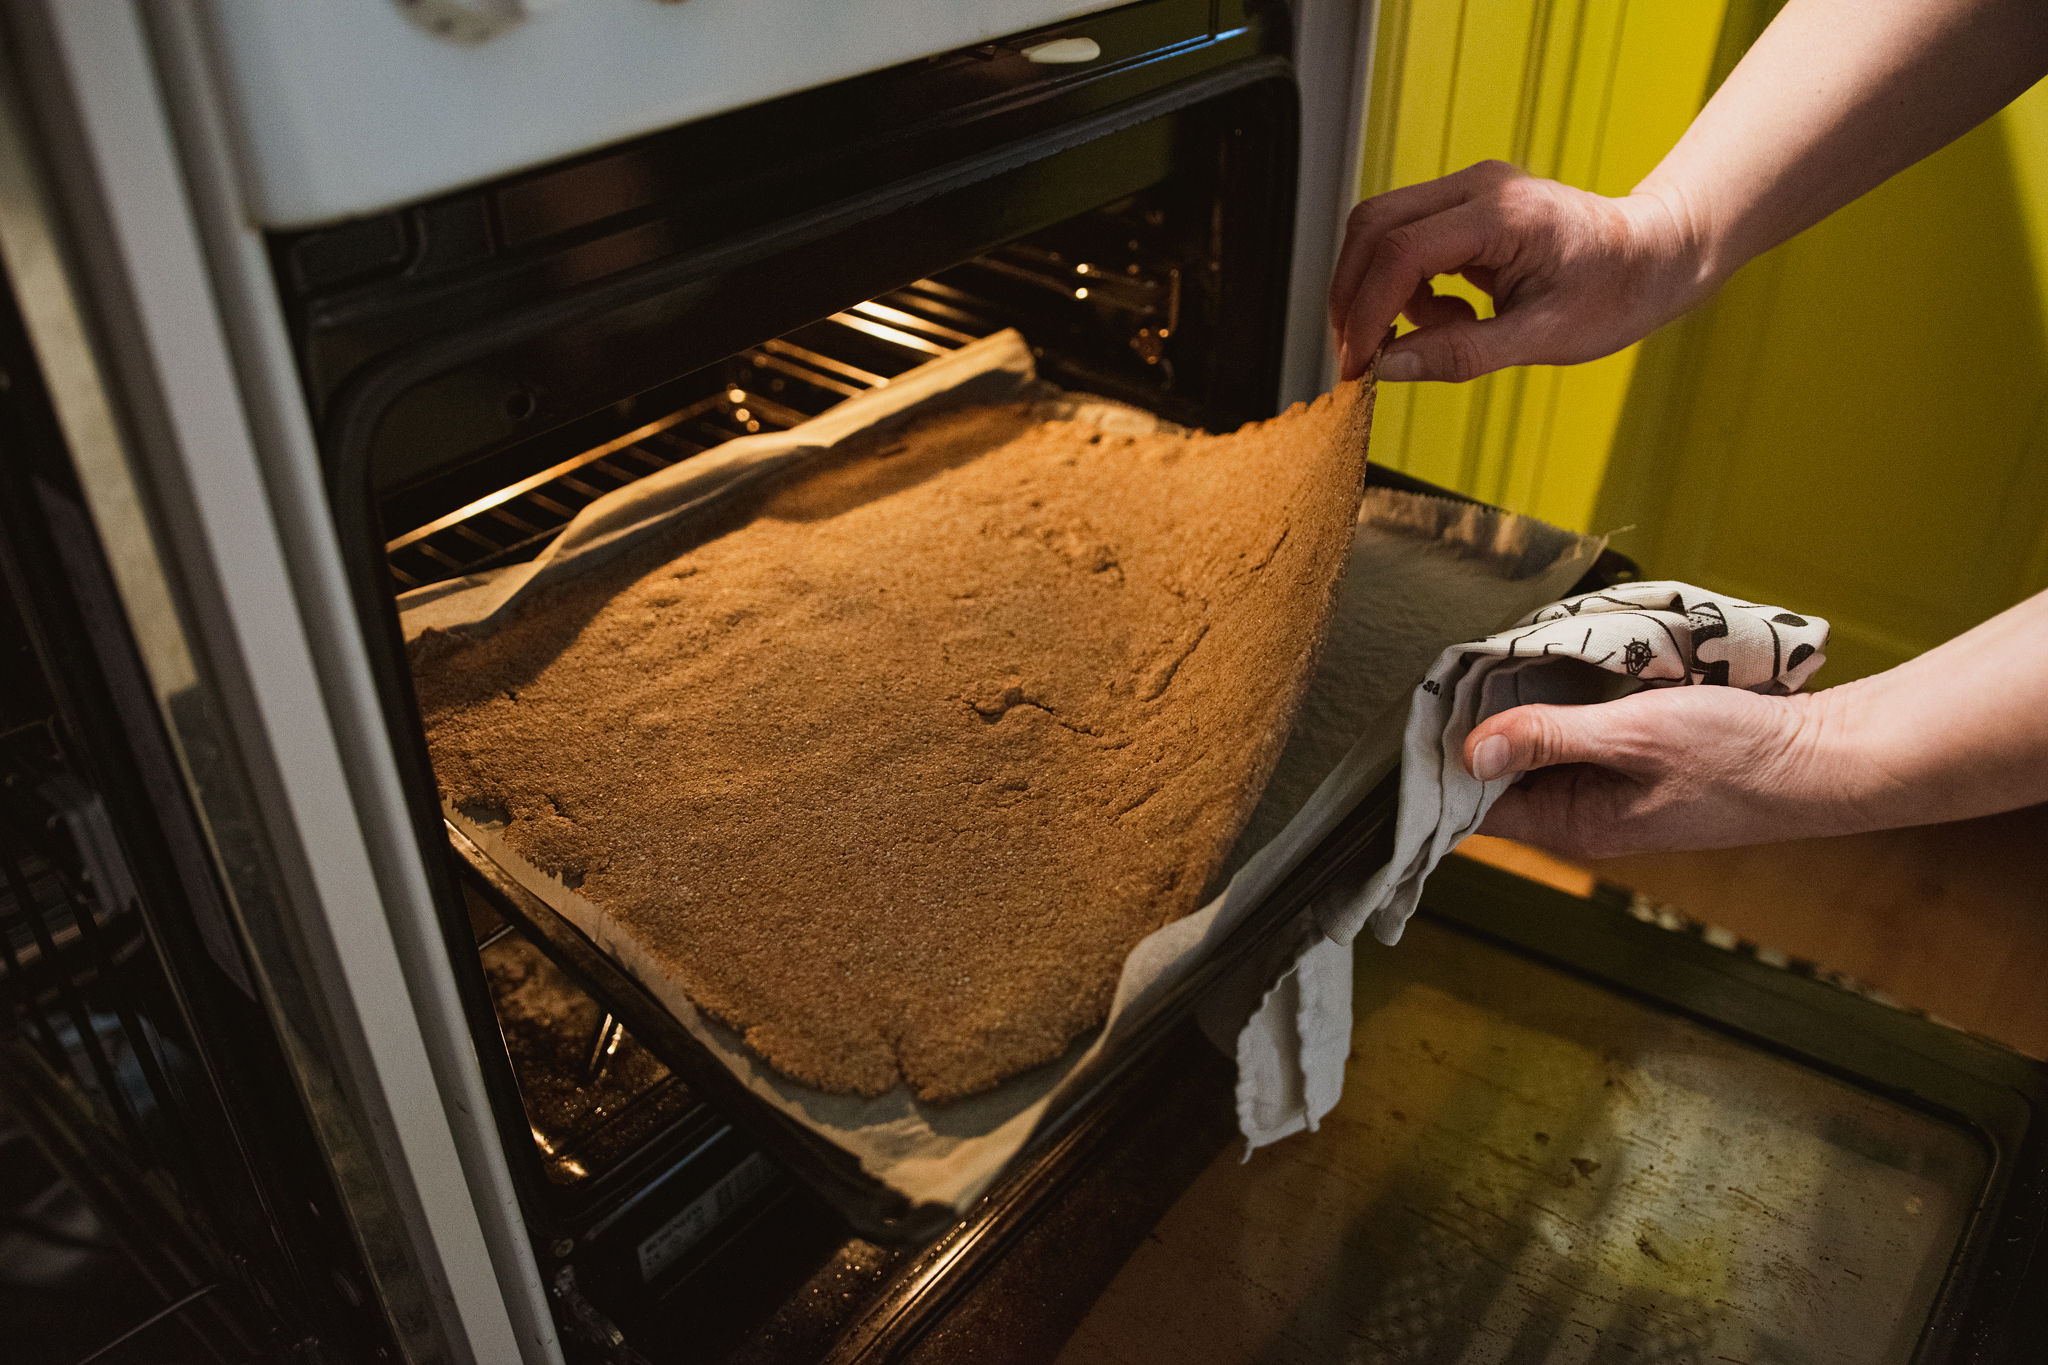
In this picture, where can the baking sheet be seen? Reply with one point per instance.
(1424, 573)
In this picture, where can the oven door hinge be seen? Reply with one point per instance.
(593, 1327)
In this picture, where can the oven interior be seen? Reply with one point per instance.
(1118, 301)
(484, 366)
(661, 1190)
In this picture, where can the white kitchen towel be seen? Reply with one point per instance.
(1424, 573)
(1292, 1050)
(1633, 636)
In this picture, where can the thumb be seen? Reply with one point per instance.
(1458, 350)
(1528, 737)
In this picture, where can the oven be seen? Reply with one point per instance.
(281, 348)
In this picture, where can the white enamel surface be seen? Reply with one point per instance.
(343, 107)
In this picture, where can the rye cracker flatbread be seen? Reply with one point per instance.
(892, 776)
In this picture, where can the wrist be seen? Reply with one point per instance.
(1844, 780)
(1674, 231)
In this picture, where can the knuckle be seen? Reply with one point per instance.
(1523, 203)
(1400, 248)
(1460, 360)
(1550, 744)
(1518, 193)
(1361, 216)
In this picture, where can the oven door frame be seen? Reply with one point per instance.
(121, 234)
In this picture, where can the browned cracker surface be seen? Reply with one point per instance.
(892, 777)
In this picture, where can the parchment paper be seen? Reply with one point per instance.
(1460, 572)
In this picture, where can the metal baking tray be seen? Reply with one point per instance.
(1360, 843)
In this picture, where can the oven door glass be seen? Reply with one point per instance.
(1529, 1166)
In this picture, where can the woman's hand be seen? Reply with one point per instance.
(1574, 276)
(1833, 98)
(1957, 732)
(1673, 767)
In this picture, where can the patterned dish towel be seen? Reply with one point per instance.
(1636, 635)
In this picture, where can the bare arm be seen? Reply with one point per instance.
(1959, 731)
(1837, 97)
(1834, 98)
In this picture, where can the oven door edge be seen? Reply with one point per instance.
(222, 529)
(1333, 52)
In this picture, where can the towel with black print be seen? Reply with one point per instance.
(1590, 648)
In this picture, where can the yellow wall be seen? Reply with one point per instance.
(1591, 92)
(1857, 426)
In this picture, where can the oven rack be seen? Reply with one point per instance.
(772, 387)
(786, 381)
(98, 1055)
(596, 1102)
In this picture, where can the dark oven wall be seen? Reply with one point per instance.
(527, 345)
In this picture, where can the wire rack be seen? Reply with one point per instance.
(81, 994)
(772, 387)
(68, 934)
(1130, 297)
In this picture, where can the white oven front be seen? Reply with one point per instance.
(344, 107)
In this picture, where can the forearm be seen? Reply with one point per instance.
(1836, 97)
(1960, 731)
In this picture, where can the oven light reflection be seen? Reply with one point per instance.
(526, 485)
(894, 335)
(913, 322)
